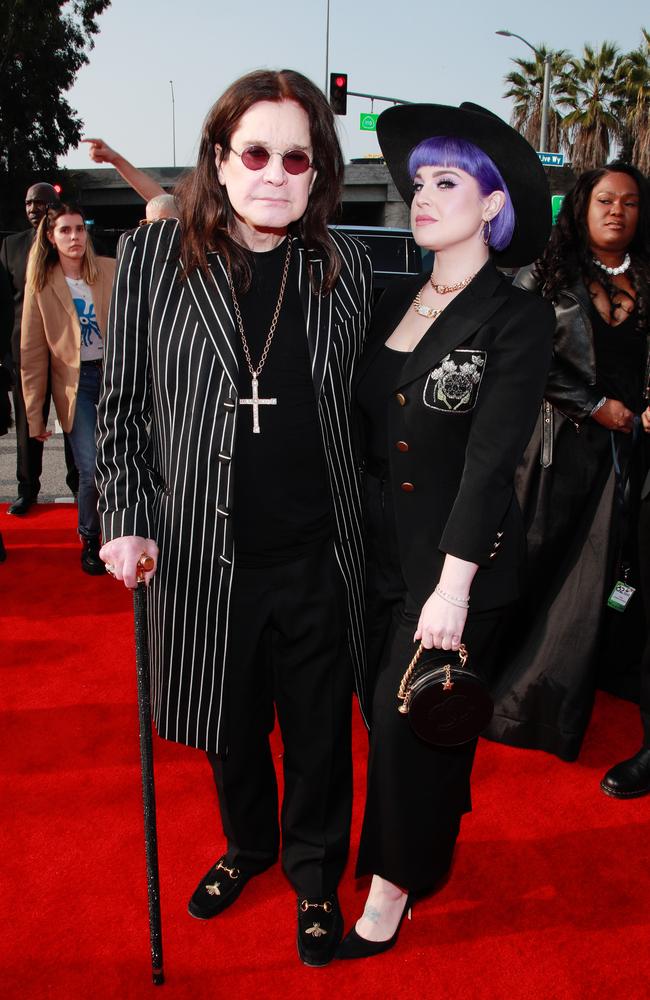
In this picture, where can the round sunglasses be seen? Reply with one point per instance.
(294, 161)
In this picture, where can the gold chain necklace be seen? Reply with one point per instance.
(446, 289)
(255, 400)
(427, 311)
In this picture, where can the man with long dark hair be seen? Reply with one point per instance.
(226, 455)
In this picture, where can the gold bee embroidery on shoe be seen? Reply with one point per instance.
(213, 890)
(316, 930)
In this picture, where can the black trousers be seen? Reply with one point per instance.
(288, 649)
(416, 793)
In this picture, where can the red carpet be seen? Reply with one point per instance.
(549, 898)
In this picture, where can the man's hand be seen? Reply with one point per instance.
(122, 555)
(100, 152)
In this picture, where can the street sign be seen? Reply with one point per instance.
(368, 122)
(552, 159)
(556, 205)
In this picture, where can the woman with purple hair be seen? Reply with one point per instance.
(448, 392)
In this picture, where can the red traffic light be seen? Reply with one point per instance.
(57, 188)
(339, 93)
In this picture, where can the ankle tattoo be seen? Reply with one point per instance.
(371, 913)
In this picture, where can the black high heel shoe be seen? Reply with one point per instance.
(355, 946)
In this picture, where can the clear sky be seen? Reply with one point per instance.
(419, 50)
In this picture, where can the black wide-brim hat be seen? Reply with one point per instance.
(404, 126)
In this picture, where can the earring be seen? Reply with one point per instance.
(487, 235)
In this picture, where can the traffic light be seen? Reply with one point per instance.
(339, 93)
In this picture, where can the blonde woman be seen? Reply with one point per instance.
(63, 328)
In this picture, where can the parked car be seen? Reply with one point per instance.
(393, 253)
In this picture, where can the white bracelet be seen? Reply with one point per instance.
(458, 602)
(601, 402)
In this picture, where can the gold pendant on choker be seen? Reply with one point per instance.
(422, 310)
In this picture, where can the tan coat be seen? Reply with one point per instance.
(50, 333)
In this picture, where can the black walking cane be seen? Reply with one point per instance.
(146, 564)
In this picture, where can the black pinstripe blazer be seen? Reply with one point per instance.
(166, 437)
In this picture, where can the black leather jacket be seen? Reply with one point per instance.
(571, 386)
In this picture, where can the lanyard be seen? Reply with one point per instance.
(621, 492)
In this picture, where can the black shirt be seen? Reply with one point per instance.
(282, 497)
(373, 393)
(620, 360)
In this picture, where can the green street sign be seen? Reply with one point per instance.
(552, 159)
(368, 122)
(556, 205)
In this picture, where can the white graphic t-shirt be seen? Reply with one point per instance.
(92, 342)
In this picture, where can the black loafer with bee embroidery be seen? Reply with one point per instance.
(218, 889)
(320, 929)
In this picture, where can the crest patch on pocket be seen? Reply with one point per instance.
(453, 386)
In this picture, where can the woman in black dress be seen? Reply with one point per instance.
(581, 500)
(448, 391)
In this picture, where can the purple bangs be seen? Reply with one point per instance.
(444, 151)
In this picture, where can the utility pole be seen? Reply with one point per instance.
(546, 90)
(171, 84)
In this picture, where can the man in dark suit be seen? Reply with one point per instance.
(13, 259)
(258, 590)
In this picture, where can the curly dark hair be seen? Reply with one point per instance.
(207, 218)
(568, 258)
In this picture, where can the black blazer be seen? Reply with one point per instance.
(460, 416)
(6, 313)
(13, 258)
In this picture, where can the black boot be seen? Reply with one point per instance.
(630, 778)
(90, 561)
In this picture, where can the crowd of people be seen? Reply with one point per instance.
(326, 492)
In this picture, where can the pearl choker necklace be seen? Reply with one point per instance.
(621, 269)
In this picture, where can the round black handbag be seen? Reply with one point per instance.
(446, 703)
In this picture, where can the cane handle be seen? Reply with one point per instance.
(145, 565)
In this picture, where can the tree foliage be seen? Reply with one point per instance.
(527, 89)
(600, 102)
(43, 45)
(594, 105)
(635, 131)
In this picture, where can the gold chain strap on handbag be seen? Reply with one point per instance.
(404, 693)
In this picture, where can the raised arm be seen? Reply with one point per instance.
(141, 182)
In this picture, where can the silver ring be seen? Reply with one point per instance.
(110, 569)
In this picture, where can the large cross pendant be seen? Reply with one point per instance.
(256, 402)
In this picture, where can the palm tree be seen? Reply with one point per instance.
(635, 85)
(527, 88)
(595, 102)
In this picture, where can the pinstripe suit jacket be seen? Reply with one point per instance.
(166, 438)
